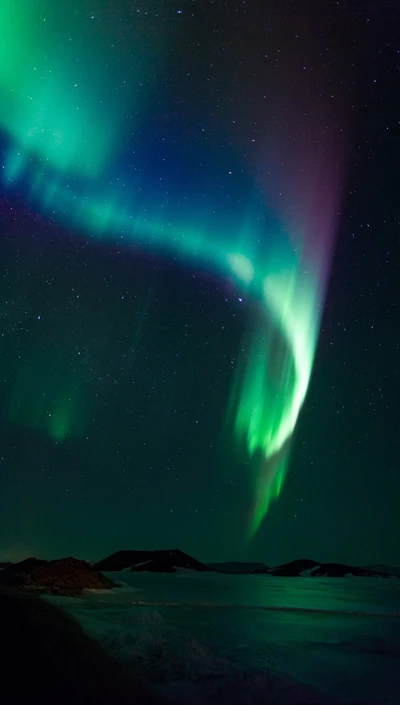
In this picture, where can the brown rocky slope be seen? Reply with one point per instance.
(66, 576)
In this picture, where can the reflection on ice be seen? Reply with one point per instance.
(244, 639)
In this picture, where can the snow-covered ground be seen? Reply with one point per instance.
(210, 638)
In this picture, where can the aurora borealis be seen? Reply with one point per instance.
(249, 197)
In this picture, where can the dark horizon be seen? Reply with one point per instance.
(101, 556)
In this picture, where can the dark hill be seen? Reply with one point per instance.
(306, 567)
(153, 561)
(47, 658)
(66, 576)
(382, 568)
(292, 569)
(339, 570)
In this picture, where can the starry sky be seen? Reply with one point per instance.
(140, 143)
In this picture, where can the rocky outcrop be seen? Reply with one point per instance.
(66, 576)
(293, 569)
(304, 567)
(151, 561)
(340, 570)
(47, 658)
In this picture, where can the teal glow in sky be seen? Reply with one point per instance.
(66, 92)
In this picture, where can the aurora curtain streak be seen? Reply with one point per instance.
(64, 124)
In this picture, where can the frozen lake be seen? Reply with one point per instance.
(239, 638)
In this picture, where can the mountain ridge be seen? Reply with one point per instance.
(169, 561)
(161, 561)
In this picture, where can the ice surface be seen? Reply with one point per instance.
(208, 638)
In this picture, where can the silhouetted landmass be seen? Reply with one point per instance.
(48, 659)
(66, 576)
(237, 567)
(306, 567)
(292, 569)
(5, 564)
(339, 570)
(152, 561)
(169, 561)
(382, 568)
(70, 576)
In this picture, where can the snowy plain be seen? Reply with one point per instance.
(249, 639)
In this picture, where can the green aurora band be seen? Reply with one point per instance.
(52, 118)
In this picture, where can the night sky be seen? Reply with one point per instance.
(121, 349)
